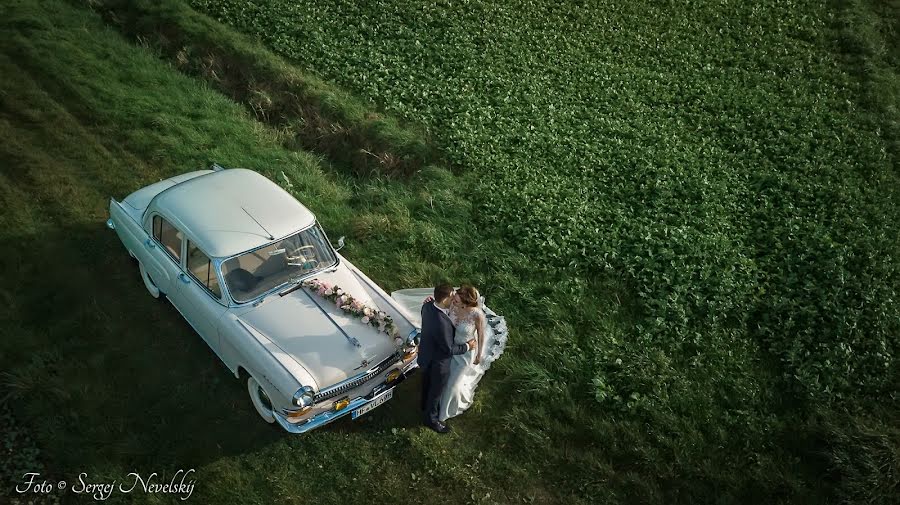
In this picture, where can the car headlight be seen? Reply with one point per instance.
(412, 339)
(304, 397)
(411, 348)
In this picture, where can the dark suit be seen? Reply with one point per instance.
(436, 347)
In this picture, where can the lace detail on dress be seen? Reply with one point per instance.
(496, 342)
(466, 322)
(496, 333)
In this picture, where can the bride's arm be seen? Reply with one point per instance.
(479, 325)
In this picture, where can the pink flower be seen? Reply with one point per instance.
(365, 320)
(328, 291)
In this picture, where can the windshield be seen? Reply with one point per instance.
(255, 272)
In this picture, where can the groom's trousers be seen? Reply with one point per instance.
(434, 380)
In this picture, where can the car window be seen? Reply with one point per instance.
(168, 236)
(200, 267)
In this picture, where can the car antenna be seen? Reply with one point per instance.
(271, 237)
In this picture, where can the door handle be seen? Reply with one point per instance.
(150, 244)
(184, 278)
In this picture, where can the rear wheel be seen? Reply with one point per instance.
(148, 282)
(260, 400)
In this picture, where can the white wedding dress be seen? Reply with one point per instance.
(464, 373)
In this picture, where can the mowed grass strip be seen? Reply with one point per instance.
(309, 113)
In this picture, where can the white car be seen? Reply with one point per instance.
(231, 250)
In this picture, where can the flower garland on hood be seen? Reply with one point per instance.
(347, 303)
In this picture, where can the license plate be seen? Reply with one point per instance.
(378, 400)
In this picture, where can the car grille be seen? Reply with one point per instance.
(354, 382)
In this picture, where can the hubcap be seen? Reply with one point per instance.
(260, 400)
(263, 397)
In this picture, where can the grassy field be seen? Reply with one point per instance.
(717, 155)
(688, 215)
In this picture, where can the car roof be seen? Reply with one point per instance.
(231, 211)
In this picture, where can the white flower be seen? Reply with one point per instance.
(365, 320)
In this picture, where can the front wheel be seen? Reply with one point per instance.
(260, 400)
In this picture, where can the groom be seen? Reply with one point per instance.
(435, 350)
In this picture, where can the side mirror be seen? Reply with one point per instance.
(340, 244)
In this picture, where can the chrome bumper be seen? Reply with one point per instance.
(326, 417)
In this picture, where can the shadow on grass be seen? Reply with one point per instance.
(99, 367)
(104, 371)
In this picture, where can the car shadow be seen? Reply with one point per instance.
(102, 372)
(97, 367)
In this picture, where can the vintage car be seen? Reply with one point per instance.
(234, 253)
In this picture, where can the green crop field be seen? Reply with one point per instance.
(687, 211)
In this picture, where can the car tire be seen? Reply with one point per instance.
(148, 282)
(260, 400)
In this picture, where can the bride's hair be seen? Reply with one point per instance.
(468, 295)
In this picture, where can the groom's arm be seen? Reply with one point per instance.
(447, 340)
(459, 348)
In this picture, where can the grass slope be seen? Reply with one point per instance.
(309, 113)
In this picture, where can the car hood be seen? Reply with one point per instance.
(297, 323)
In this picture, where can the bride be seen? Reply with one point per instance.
(472, 319)
(465, 369)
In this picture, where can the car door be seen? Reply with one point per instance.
(163, 252)
(199, 295)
